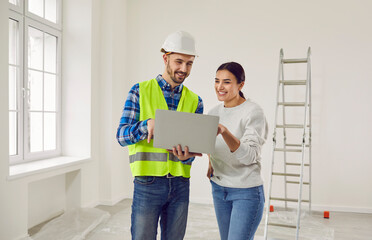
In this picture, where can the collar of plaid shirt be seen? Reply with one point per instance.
(164, 85)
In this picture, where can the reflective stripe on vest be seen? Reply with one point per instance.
(145, 160)
(160, 157)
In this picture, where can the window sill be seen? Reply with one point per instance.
(46, 165)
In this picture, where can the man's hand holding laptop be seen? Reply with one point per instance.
(183, 155)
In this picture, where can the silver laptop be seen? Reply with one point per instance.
(197, 131)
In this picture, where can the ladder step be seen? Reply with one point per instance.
(286, 174)
(293, 82)
(295, 145)
(296, 182)
(287, 199)
(287, 150)
(292, 104)
(290, 126)
(298, 164)
(282, 225)
(298, 60)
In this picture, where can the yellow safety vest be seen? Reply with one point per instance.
(145, 160)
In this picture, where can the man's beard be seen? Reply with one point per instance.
(173, 75)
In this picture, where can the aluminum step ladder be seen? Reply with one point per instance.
(302, 146)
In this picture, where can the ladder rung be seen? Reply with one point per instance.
(296, 182)
(297, 164)
(287, 150)
(290, 126)
(293, 82)
(295, 145)
(282, 225)
(298, 60)
(292, 104)
(287, 199)
(286, 174)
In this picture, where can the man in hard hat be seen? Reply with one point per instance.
(161, 178)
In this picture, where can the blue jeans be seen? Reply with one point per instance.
(164, 198)
(238, 211)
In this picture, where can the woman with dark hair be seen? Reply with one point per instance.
(235, 166)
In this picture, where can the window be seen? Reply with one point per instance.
(34, 79)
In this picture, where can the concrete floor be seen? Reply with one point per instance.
(202, 224)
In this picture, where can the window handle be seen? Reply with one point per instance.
(26, 93)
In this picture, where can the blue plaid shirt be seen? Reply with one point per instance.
(131, 130)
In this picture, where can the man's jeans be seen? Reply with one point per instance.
(238, 211)
(154, 197)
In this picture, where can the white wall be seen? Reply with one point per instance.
(251, 33)
(115, 174)
(80, 48)
(46, 204)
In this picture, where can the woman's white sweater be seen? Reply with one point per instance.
(242, 168)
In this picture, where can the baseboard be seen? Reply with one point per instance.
(321, 208)
(316, 207)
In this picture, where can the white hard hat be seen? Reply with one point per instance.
(179, 42)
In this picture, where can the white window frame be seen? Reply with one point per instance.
(17, 8)
(19, 156)
(20, 13)
(28, 156)
(57, 25)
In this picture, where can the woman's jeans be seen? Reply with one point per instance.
(154, 197)
(238, 211)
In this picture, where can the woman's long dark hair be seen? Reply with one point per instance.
(237, 70)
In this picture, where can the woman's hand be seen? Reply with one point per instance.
(232, 142)
(210, 170)
(183, 155)
(221, 129)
